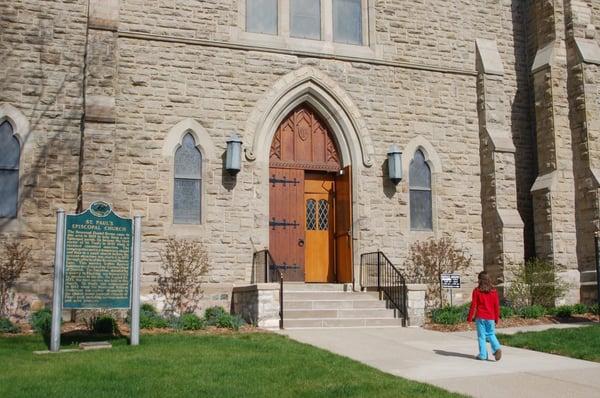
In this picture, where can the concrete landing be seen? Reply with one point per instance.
(448, 360)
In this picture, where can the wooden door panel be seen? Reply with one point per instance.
(319, 237)
(286, 221)
(343, 226)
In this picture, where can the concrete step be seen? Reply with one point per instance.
(316, 287)
(309, 295)
(332, 304)
(338, 313)
(341, 323)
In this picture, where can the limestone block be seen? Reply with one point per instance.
(501, 140)
(588, 50)
(543, 58)
(100, 108)
(104, 14)
(509, 218)
(545, 182)
(489, 61)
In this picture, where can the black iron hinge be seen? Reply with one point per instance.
(284, 224)
(273, 180)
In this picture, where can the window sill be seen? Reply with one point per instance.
(10, 224)
(306, 46)
(182, 230)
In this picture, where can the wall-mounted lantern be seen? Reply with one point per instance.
(233, 160)
(395, 164)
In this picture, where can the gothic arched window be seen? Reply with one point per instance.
(10, 152)
(420, 193)
(187, 201)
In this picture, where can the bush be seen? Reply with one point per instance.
(580, 309)
(212, 315)
(184, 266)
(594, 309)
(150, 319)
(450, 315)
(6, 326)
(13, 260)
(506, 312)
(189, 321)
(564, 311)
(41, 321)
(535, 282)
(104, 324)
(217, 316)
(532, 311)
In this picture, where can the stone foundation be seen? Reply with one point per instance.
(257, 304)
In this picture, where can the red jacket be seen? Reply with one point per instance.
(485, 305)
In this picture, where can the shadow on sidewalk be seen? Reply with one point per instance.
(454, 354)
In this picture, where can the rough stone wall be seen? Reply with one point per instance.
(42, 45)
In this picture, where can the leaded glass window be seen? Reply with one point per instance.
(347, 21)
(311, 215)
(261, 16)
(420, 193)
(305, 19)
(323, 215)
(10, 152)
(188, 183)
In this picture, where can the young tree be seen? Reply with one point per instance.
(12, 263)
(184, 265)
(431, 258)
(535, 282)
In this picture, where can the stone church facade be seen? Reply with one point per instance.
(498, 100)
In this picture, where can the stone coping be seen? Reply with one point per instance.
(255, 287)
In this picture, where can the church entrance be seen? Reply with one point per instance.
(309, 202)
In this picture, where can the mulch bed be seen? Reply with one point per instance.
(513, 322)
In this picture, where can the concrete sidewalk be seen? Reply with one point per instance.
(448, 360)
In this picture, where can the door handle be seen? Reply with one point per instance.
(301, 242)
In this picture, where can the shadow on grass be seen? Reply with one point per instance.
(75, 337)
(454, 354)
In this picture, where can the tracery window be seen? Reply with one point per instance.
(420, 193)
(10, 153)
(188, 183)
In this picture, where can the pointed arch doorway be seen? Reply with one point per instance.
(310, 206)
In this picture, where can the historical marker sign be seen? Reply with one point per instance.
(97, 259)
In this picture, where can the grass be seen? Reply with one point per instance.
(580, 343)
(185, 365)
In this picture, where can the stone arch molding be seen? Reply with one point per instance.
(310, 85)
(201, 136)
(19, 122)
(431, 155)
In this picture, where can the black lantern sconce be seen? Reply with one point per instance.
(233, 159)
(395, 164)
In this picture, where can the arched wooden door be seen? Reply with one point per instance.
(304, 218)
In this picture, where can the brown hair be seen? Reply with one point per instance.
(485, 282)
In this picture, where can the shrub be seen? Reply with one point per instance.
(150, 319)
(41, 321)
(217, 316)
(506, 312)
(104, 324)
(184, 265)
(535, 282)
(580, 308)
(6, 326)
(148, 308)
(189, 321)
(430, 259)
(212, 314)
(450, 315)
(594, 309)
(13, 260)
(532, 311)
(564, 311)
(230, 321)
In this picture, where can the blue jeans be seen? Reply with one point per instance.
(486, 329)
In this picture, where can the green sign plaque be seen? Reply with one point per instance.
(97, 259)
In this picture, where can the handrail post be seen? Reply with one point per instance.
(379, 274)
(280, 300)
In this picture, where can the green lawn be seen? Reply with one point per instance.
(183, 365)
(581, 343)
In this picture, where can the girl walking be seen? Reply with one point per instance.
(485, 308)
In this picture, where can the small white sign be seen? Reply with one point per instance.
(450, 281)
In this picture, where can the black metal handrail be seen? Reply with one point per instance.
(377, 271)
(264, 270)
